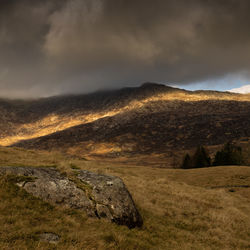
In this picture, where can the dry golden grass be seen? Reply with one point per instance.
(179, 208)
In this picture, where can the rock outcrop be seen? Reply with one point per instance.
(99, 195)
(112, 198)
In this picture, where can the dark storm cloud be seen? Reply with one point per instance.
(49, 47)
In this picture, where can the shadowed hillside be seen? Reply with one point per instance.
(149, 120)
(28, 119)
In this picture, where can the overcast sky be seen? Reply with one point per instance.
(49, 47)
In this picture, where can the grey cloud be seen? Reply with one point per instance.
(52, 47)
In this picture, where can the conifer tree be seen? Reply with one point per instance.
(187, 162)
(229, 155)
(201, 158)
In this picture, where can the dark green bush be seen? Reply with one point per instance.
(200, 159)
(187, 162)
(229, 155)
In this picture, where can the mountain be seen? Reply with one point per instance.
(150, 124)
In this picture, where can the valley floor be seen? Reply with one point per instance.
(182, 209)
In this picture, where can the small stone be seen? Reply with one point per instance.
(51, 238)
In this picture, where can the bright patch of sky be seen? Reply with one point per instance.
(243, 90)
(235, 83)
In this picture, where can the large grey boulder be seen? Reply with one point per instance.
(112, 198)
(99, 195)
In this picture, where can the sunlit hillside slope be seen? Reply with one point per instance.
(128, 123)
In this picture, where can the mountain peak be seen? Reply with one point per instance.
(152, 85)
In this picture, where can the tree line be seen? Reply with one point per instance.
(230, 154)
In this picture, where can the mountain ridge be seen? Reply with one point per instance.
(150, 119)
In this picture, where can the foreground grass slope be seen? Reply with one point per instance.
(182, 209)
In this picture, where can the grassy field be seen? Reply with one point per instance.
(181, 209)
